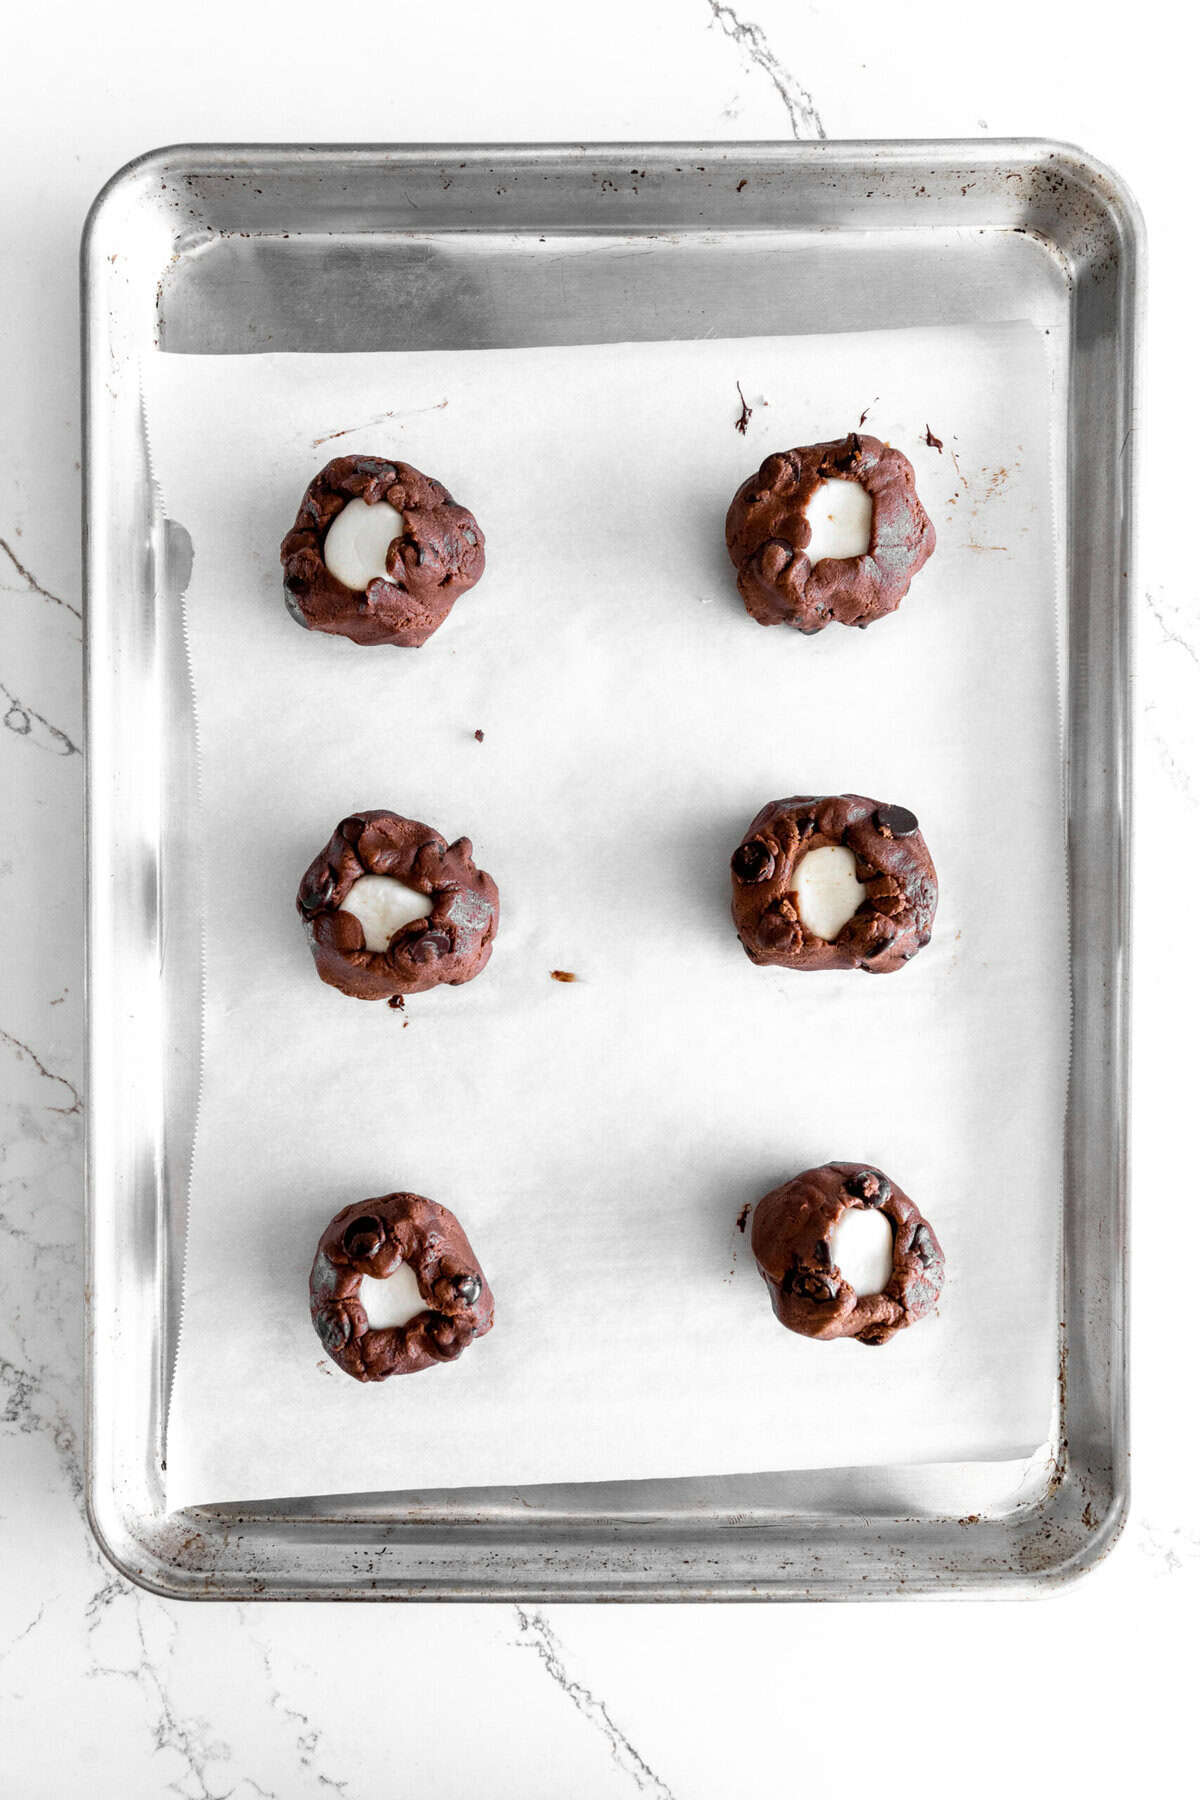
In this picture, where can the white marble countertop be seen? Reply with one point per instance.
(106, 1690)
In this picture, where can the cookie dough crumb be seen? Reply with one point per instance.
(935, 443)
(562, 975)
(746, 414)
(479, 737)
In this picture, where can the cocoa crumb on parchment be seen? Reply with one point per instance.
(479, 737)
(862, 417)
(746, 414)
(562, 975)
(739, 1228)
(935, 443)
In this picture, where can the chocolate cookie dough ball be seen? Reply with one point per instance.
(395, 1287)
(839, 882)
(845, 1254)
(391, 909)
(834, 531)
(379, 553)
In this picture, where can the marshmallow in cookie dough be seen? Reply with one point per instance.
(831, 532)
(839, 515)
(383, 906)
(357, 543)
(828, 891)
(863, 1248)
(379, 553)
(394, 1300)
(891, 1277)
(833, 882)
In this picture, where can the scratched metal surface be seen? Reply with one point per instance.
(227, 249)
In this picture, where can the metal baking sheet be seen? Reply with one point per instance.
(228, 249)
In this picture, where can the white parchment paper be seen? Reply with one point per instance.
(599, 1139)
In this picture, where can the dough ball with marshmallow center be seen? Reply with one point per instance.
(390, 908)
(828, 533)
(846, 1254)
(379, 553)
(834, 881)
(395, 1288)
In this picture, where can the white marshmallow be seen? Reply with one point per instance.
(356, 544)
(381, 904)
(828, 891)
(840, 514)
(863, 1248)
(393, 1301)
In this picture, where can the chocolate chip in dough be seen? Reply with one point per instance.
(311, 903)
(818, 1287)
(362, 1238)
(896, 819)
(333, 1329)
(869, 1186)
(753, 862)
